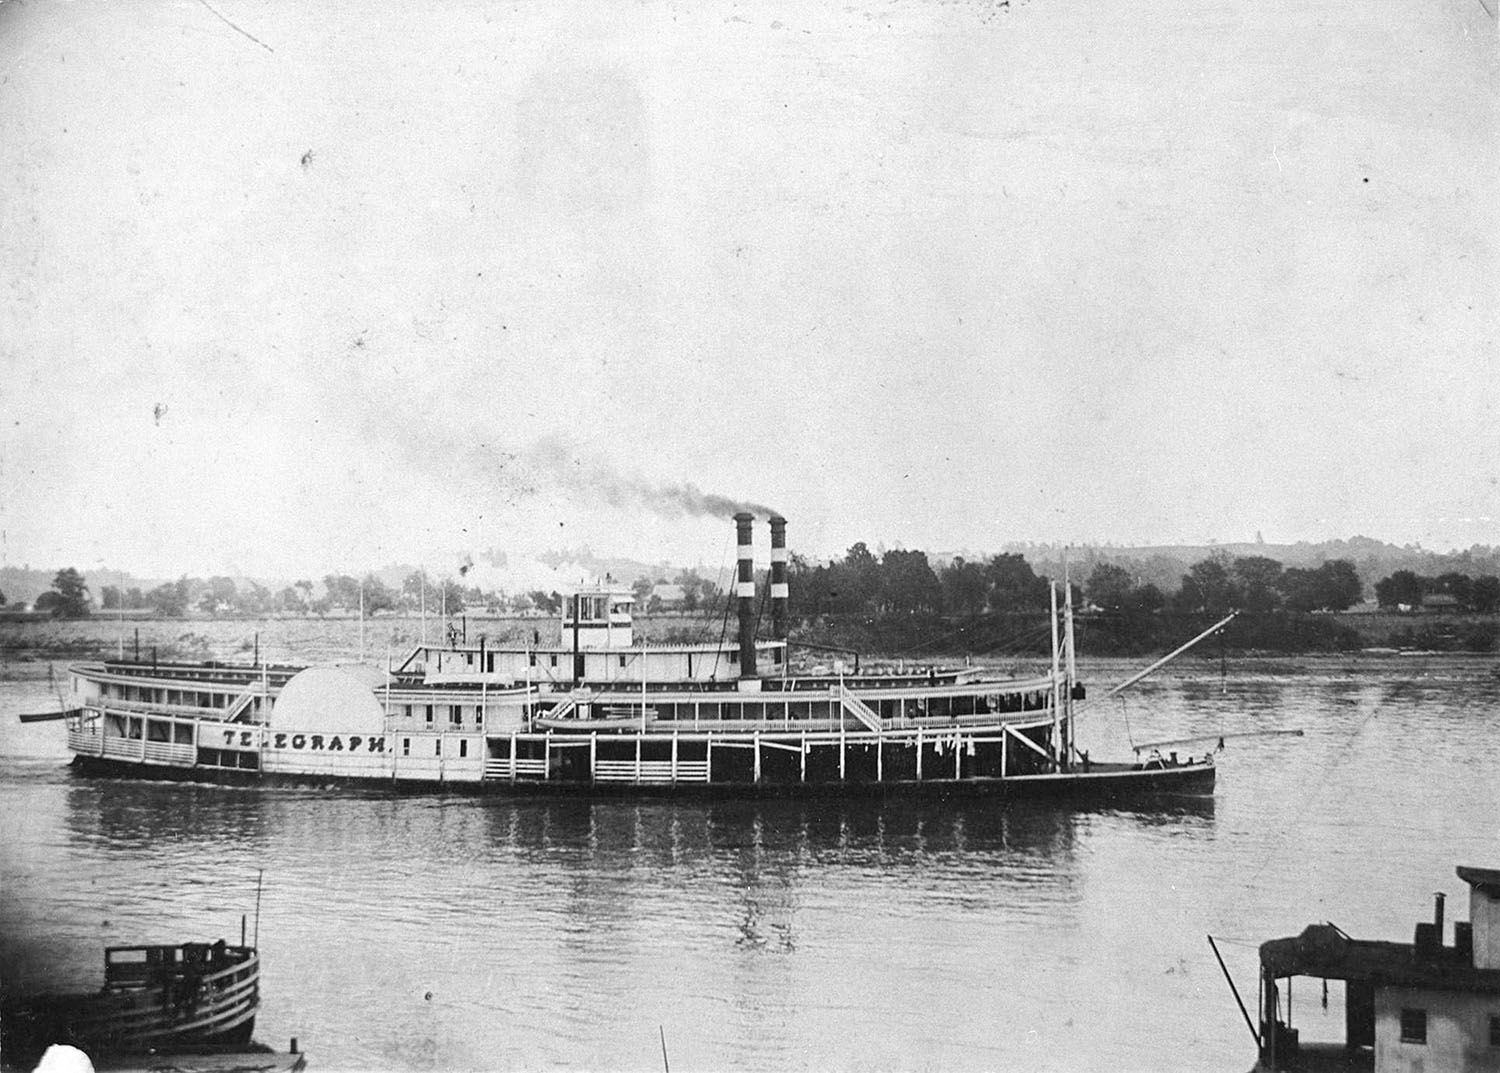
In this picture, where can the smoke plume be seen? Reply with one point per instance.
(553, 462)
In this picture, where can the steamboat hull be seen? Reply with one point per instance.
(1103, 783)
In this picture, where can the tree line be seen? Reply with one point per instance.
(1405, 588)
(905, 582)
(337, 593)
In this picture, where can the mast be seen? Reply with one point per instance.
(1056, 671)
(1072, 676)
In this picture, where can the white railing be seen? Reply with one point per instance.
(121, 748)
(84, 741)
(692, 771)
(162, 752)
(859, 709)
(655, 771)
(502, 768)
(241, 702)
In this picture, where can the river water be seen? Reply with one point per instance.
(435, 932)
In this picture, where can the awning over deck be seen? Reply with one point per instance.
(1322, 950)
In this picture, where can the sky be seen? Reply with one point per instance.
(290, 288)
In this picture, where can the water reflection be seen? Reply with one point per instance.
(128, 817)
(601, 835)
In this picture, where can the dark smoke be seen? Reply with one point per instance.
(441, 452)
(554, 462)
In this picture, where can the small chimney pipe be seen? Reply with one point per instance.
(745, 590)
(1437, 915)
(779, 591)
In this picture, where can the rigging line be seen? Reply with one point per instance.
(917, 649)
(1016, 641)
(765, 598)
(1018, 644)
(237, 29)
(723, 632)
(723, 560)
(1125, 714)
(1317, 786)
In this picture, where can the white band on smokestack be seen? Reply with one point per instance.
(779, 590)
(746, 589)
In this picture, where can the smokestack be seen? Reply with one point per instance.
(745, 590)
(1437, 915)
(779, 590)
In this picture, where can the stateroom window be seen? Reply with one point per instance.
(1413, 1025)
(405, 746)
(478, 716)
(455, 714)
(429, 713)
(622, 661)
(463, 747)
(531, 656)
(554, 660)
(438, 747)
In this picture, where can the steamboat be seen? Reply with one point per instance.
(597, 713)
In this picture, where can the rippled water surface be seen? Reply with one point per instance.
(432, 932)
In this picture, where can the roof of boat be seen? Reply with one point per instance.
(1324, 950)
(1485, 879)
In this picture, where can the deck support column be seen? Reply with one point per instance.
(757, 757)
(674, 754)
(880, 758)
(512, 758)
(919, 747)
(593, 757)
(638, 760)
(804, 756)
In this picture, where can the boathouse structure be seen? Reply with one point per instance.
(1413, 1007)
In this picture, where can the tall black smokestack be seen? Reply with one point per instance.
(779, 591)
(745, 590)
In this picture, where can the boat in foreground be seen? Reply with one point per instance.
(596, 713)
(155, 999)
(1408, 1007)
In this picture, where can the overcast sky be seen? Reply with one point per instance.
(292, 287)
